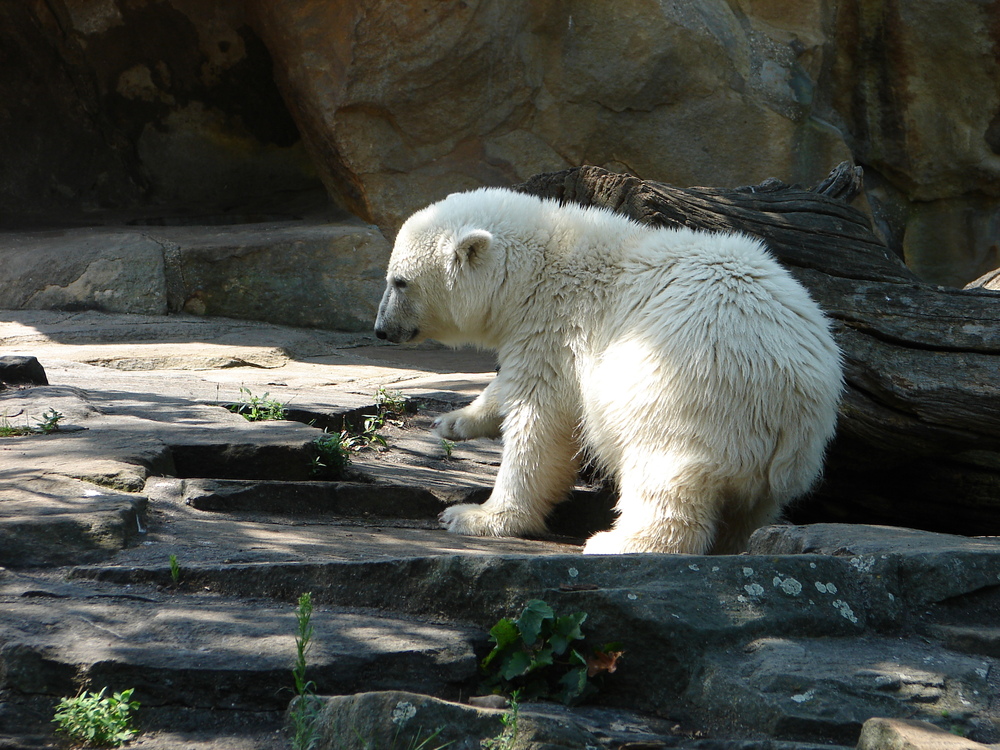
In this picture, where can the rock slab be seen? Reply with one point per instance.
(901, 734)
(21, 370)
(318, 274)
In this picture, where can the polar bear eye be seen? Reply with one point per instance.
(399, 283)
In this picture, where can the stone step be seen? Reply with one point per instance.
(191, 648)
(802, 647)
(52, 520)
(386, 719)
(351, 499)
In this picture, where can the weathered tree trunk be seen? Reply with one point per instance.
(918, 442)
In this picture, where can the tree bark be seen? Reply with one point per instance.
(918, 440)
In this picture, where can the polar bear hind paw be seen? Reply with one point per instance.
(606, 543)
(621, 543)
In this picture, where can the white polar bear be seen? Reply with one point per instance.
(690, 366)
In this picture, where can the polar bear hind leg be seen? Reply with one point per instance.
(675, 512)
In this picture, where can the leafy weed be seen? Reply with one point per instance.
(257, 408)
(543, 656)
(92, 720)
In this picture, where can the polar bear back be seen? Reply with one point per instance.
(720, 350)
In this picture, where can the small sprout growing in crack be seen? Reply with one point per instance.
(448, 447)
(49, 421)
(257, 408)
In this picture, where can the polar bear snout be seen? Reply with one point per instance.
(395, 321)
(396, 336)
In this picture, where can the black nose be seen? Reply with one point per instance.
(381, 334)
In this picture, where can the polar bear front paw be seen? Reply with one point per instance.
(463, 424)
(471, 520)
(451, 426)
(482, 520)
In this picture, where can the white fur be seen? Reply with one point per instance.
(689, 365)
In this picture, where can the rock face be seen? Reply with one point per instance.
(403, 104)
(112, 104)
(306, 273)
(222, 111)
(917, 86)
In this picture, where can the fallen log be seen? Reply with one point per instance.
(918, 440)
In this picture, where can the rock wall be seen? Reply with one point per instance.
(916, 86)
(122, 104)
(401, 104)
(132, 103)
(410, 102)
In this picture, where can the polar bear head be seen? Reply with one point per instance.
(447, 272)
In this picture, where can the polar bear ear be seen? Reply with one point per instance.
(470, 247)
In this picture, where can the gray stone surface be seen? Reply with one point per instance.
(394, 719)
(192, 646)
(306, 273)
(798, 643)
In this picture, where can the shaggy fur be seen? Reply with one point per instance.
(689, 365)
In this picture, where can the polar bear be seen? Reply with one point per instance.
(689, 366)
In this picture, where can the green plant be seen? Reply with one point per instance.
(447, 446)
(415, 743)
(331, 456)
(175, 570)
(388, 405)
(304, 713)
(538, 655)
(92, 720)
(374, 423)
(367, 438)
(49, 421)
(46, 424)
(505, 740)
(257, 408)
(393, 402)
(9, 430)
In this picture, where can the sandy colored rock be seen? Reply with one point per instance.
(918, 87)
(401, 105)
(903, 734)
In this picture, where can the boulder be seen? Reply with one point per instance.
(308, 273)
(903, 734)
(23, 370)
(396, 719)
(315, 274)
(116, 271)
(403, 104)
